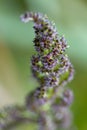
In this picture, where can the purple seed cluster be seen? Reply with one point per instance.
(50, 65)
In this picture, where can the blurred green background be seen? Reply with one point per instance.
(16, 49)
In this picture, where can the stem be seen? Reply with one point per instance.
(13, 116)
(46, 122)
(18, 121)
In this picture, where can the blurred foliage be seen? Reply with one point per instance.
(16, 49)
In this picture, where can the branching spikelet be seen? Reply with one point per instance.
(50, 65)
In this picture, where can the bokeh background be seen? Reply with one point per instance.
(16, 49)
